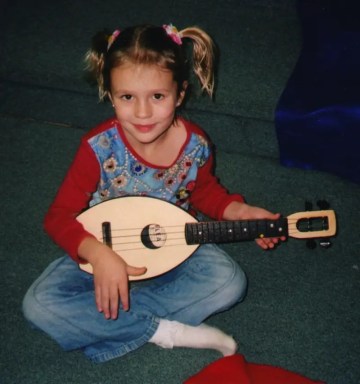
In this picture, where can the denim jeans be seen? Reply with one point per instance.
(61, 302)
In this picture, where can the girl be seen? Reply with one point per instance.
(146, 149)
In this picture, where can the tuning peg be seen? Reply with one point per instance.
(323, 204)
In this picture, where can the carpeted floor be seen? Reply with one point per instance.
(302, 310)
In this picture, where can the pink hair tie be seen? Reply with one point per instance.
(112, 38)
(173, 33)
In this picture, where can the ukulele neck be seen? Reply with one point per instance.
(234, 231)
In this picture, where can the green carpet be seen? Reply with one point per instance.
(302, 310)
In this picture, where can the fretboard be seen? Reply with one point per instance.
(234, 231)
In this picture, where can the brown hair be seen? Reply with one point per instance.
(148, 44)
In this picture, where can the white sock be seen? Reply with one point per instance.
(174, 334)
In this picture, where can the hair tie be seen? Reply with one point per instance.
(112, 38)
(173, 33)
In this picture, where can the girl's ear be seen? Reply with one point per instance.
(182, 93)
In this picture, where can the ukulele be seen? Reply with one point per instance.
(159, 235)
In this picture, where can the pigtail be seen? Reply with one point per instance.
(95, 61)
(203, 57)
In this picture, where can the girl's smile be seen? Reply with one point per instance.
(142, 128)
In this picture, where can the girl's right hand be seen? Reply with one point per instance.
(110, 276)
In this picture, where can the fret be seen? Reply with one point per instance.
(233, 231)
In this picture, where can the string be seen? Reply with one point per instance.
(291, 222)
(168, 239)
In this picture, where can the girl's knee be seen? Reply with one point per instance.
(238, 284)
(234, 280)
(34, 305)
(30, 308)
(225, 275)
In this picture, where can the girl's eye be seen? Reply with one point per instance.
(158, 96)
(126, 97)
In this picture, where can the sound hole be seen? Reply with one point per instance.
(153, 236)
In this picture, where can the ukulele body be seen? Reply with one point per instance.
(145, 231)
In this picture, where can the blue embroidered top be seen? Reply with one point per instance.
(123, 173)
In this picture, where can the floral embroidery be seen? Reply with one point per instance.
(123, 174)
(110, 165)
(159, 175)
(138, 169)
(183, 194)
(104, 194)
(170, 181)
(181, 176)
(104, 142)
(120, 181)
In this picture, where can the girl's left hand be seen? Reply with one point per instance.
(270, 242)
(243, 211)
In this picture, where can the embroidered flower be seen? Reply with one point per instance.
(104, 141)
(203, 141)
(181, 176)
(173, 33)
(159, 175)
(182, 194)
(202, 161)
(170, 181)
(119, 181)
(110, 165)
(104, 194)
(138, 169)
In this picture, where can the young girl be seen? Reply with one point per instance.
(147, 150)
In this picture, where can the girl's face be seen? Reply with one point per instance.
(145, 98)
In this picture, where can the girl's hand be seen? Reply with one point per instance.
(110, 276)
(242, 211)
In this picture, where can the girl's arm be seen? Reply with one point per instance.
(71, 199)
(211, 198)
(110, 270)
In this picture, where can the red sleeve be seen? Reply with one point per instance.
(72, 198)
(209, 196)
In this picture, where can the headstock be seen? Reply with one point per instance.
(323, 240)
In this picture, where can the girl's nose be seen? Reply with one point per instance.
(142, 109)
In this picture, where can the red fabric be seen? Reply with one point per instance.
(236, 370)
(81, 180)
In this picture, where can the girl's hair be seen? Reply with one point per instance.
(148, 44)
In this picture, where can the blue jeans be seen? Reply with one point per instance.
(61, 302)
